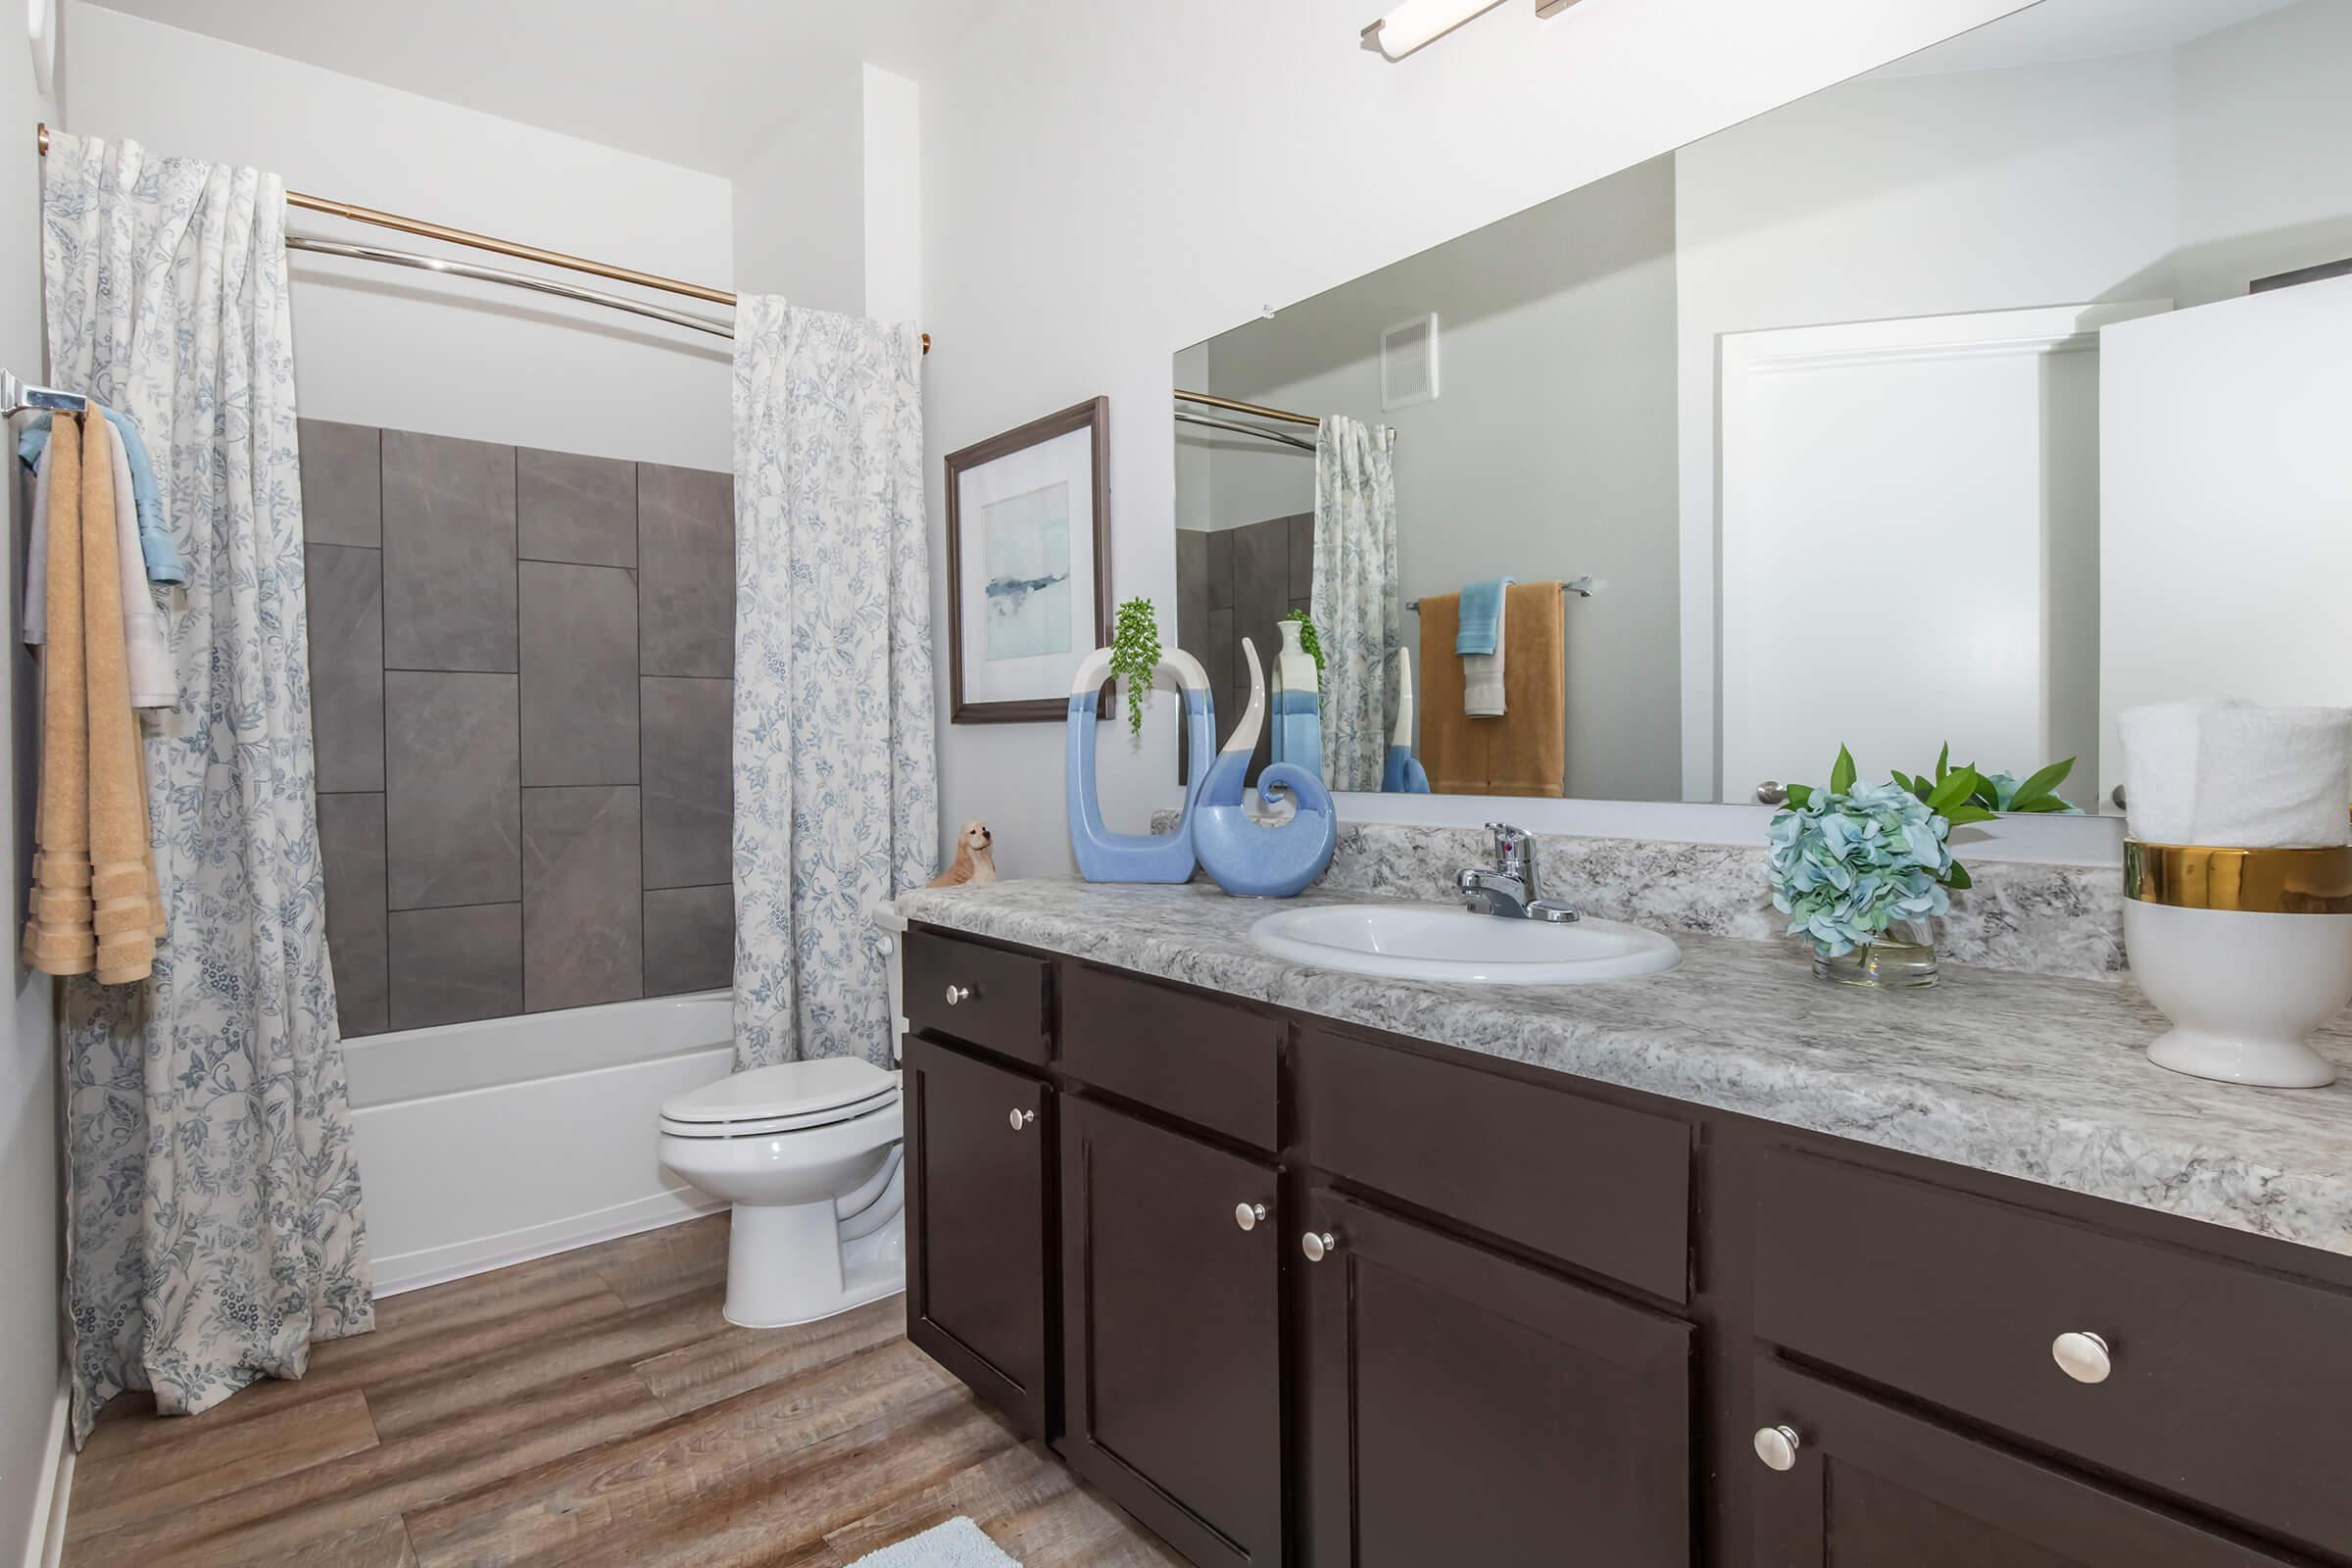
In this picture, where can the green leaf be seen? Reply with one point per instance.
(1801, 795)
(2048, 803)
(2040, 785)
(1968, 811)
(1841, 776)
(1902, 781)
(1952, 790)
(1944, 762)
(1958, 877)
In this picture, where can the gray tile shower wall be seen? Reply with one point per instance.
(1233, 583)
(521, 677)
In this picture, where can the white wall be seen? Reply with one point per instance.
(29, 1406)
(1913, 195)
(1550, 452)
(799, 207)
(2266, 149)
(401, 349)
(1104, 184)
(830, 214)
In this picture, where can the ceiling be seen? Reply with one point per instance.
(705, 83)
(2079, 29)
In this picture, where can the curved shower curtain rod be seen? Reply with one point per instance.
(502, 247)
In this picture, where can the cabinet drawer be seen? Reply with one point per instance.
(1595, 1185)
(983, 996)
(2229, 1387)
(1870, 1486)
(1193, 1058)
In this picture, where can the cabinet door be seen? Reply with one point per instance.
(1172, 1333)
(1871, 1487)
(1463, 1407)
(978, 1151)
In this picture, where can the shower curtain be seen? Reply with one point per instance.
(836, 781)
(1354, 597)
(212, 1225)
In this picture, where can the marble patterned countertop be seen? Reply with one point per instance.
(2032, 1076)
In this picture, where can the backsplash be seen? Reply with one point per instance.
(2022, 916)
(520, 668)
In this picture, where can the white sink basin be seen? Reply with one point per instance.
(1445, 942)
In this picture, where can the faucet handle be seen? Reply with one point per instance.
(1511, 845)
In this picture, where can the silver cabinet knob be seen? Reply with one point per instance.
(957, 994)
(2084, 1358)
(1022, 1119)
(1777, 1446)
(1318, 1244)
(1247, 1216)
(1771, 792)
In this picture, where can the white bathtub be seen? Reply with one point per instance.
(487, 1144)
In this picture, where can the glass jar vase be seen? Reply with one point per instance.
(1905, 957)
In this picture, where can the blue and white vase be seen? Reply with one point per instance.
(1297, 704)
(1401, 771)
(1261, 860)
(1101, 855)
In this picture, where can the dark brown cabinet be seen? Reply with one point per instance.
(1465, 1407)
(1871, 1487)
(1299, 1293)
(1171, 1265)
(979, 1149)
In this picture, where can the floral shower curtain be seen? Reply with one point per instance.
(836, 779)
(212, 1204)
(1354, 597)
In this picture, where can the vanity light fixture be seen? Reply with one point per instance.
(1414, 22)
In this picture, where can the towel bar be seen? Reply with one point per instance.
(1582, 587)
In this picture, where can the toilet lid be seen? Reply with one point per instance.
(788, 1089)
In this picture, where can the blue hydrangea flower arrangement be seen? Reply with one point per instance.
(1851, 860)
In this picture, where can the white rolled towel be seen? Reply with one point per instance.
(2224, 771)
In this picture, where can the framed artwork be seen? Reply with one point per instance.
(1028, 566)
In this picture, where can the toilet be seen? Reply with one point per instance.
(808, 1154)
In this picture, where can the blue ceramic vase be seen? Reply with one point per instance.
(1261, 860)
(1101, 855)
(1401, 771)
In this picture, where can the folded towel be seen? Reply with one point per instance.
(2237, 774)
(1478, 627)
(94, 905)
(1483, 693)
(160, 556)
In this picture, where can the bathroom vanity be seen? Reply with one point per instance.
(1722, 1265)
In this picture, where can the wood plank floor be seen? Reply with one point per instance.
(592, 1408)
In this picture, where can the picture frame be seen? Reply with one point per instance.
(1028, 566)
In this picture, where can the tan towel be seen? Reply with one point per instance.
(1525, 752)
(94, 899)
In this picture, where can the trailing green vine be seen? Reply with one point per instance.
(1310, 641)
(1135, 653)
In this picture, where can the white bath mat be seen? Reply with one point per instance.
(958, 1544)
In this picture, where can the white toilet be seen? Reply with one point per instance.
(807, 1151)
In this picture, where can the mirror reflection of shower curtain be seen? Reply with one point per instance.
(1354, 600)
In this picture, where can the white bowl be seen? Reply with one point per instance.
(2244, 990)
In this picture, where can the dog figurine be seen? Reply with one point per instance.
(975, 860)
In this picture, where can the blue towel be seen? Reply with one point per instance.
(1481, 613)
(161, 554)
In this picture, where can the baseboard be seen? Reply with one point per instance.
(45, 1540)
(414, 1271)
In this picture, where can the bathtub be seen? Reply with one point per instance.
(487, 1144)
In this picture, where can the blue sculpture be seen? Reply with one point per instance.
(1253, 859)
(1101, 855)
(1401, 773)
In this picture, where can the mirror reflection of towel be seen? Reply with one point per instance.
(1525, 752)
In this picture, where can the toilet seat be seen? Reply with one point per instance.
(788, 1097)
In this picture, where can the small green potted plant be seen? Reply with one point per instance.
(1861, 869)
(1135, 657)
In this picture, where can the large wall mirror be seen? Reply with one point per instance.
(1966, 402)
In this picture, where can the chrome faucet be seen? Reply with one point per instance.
(1510, 888)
